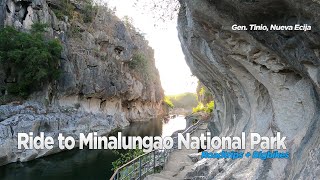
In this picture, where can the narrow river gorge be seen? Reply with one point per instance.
(72, 66)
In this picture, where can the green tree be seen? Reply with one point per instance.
(28, 59)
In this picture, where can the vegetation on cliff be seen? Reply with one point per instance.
(168, 102)
(143, 65)
(208, 108)
(83, 13)
(205, 100)
(203, 94)
(28, 60)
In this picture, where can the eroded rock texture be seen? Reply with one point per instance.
(263, 82)
(98, 90)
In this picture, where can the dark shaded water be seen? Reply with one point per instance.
(84, 164)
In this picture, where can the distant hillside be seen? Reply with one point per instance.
(186, 101)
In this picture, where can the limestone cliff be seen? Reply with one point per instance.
(262, 82)
(101, 86)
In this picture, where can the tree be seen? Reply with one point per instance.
(28, 60)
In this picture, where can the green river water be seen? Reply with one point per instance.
(84, 164)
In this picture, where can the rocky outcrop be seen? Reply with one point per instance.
(264, 82)
(2, 13)
(203, 94)
(100, 88)
(34, 117)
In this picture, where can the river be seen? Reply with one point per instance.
(85, 164)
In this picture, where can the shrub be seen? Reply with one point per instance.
(74, 31)
(66, 8)
(141, 64)
(28, 60)
(200, 107)
(63, 8)
(88, 12)
(168, 102)
(208, 108)
(138, 62)
(125, 157)
(202, 91)
(128, 22)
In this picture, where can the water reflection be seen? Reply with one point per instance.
(150, 128)
(75, 164)
(85, 164)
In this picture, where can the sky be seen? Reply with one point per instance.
(175, 74)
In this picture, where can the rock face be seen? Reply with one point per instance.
(2, 13)
(264, 82)
(99, 89)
